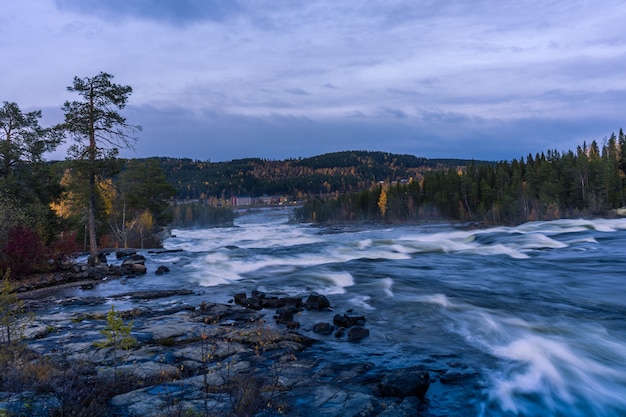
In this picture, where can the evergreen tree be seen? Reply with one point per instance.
(99, 131)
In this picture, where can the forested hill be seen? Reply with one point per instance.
(338, 172)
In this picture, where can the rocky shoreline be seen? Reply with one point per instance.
(245, 358)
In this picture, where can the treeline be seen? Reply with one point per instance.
(339, 172)
(551, 185)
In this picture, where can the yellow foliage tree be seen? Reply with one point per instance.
(145, 225)
(382, 202)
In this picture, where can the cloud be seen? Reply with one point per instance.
(297, 91)
(219, 78)
(177, 12)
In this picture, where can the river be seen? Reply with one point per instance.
(533, 317)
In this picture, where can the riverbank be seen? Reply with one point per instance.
(243, 358)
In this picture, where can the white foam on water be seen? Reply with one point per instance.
(216, 258)
(540, 241)
(362, 302)
(583, 240)
(387, 284)
(572, 226)
(556, 369)
(364, 244)
(559, 375)
(499, 249)
(339, 282)
(248, 237)
(166, 259)
(438, 299)
(459, 242)
(547, 368)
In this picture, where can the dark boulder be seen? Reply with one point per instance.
(341, 321)
(139, 269)
(239, 297)
(357, 333)
(259, 300)
(284, 315)
(162, 269)
(406, 382)
(323, 328)
(317, 301)
(348, 320)
(355, 319)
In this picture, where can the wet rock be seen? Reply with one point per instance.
(405, 382)
(326, 400)
(323, 328)
(341, 321)
(355, 319)
(317, 301)
(259, 300)
(239, 297)
(134, 259)
(125, 253)
(139, 268)
(162, 269)
(356, 334)
(349, 321)
(284, 315)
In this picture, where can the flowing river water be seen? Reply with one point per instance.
(533, 317)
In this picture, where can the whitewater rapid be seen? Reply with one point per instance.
(533, 315)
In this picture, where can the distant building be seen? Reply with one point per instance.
(240, 201)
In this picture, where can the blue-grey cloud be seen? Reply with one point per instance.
(219, 79)
(172, 11)
(297, 91)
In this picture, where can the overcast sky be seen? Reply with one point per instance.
(226, 79)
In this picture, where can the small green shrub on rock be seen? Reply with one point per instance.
(117, 336)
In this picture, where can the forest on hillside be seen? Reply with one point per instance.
(590, 181)
(297, 179)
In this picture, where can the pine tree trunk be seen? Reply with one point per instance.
(93, 241)
(91, 224)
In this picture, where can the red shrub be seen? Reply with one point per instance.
(65, 244)
(23, 252)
